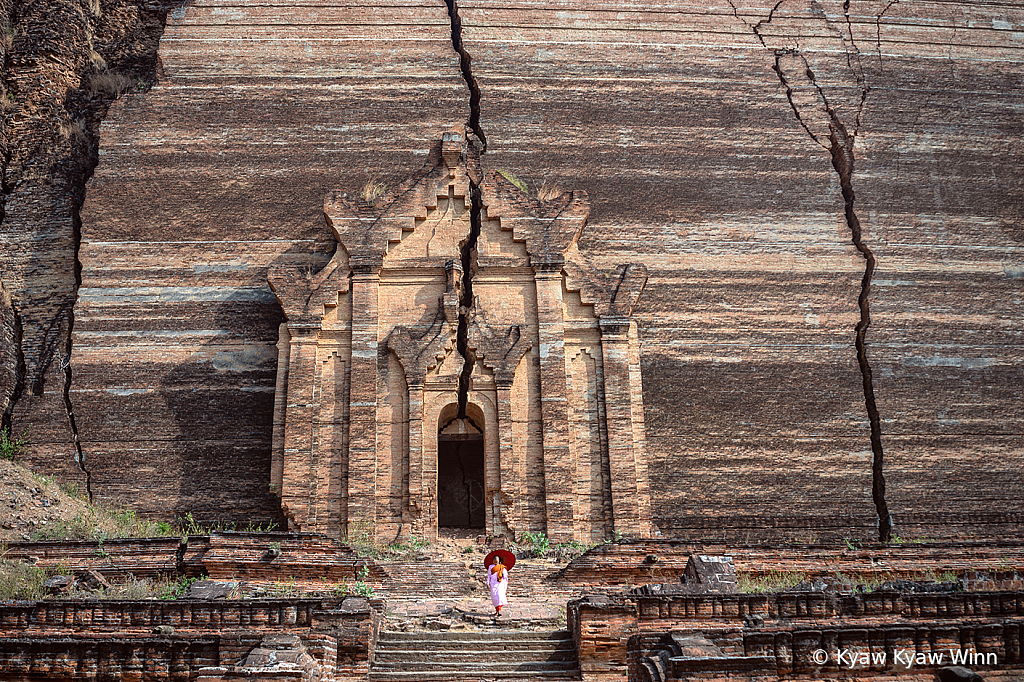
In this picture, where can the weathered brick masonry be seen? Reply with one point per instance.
(61, 64)
(302, 558)
(109, 640)
(192, 639)
(217, 173)
(639, 562)
(722, 146)
(774, 636)
(675, 119)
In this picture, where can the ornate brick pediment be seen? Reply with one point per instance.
(458, 322)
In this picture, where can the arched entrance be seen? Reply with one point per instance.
(460, 474)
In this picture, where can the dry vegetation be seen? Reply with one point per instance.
(373, 190)
(508, 175)
(20, 581)
(548, 191)
(97, 60)
(781, 581)
(37, 507)
(23, 581)
(74, 131)
(110, 84)
(773, 581)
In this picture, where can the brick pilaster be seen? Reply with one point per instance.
(299, 425)
(362, 465)
(630, 513)
(558, 478)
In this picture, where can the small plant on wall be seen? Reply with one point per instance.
(12, 448)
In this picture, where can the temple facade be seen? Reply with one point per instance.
(457, 363)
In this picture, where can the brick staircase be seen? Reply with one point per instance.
(463, 655)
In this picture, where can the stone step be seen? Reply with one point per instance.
(542, 654)
(434, 638)
(471, 655)
(465, 673)
(448, 647)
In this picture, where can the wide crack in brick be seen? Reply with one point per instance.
(468, 247)
(840, 147)
(44, 328)
(465, 64)
(65, 365)
(466, 299)
(842, 162)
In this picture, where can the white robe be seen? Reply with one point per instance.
(498, 587)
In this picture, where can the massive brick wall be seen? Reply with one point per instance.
(58, 63)
(720, 144)
(680, 119)
(215, 174)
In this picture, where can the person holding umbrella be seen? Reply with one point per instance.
(498, 564)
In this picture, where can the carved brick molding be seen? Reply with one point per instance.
(367, 405)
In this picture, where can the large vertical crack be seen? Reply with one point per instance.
(65, 361)
(465, 63)
(65, 366)
(468, 247)
(842, 162)
(466, 298)
(841, 150)
(52, 153)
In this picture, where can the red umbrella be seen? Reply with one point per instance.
(507, 558)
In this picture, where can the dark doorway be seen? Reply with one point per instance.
(460, 480)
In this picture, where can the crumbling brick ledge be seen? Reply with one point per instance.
(774, 636)
(645, 561)
(301, 558)
(185, 639)
(300, 639)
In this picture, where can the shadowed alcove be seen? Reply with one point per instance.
(460, 472)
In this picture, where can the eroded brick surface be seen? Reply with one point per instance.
(653, 561)
(776, 636)
(737, 153)
(201, 640)
(215, 174)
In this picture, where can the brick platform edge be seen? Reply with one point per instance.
(306, 559)
(771, 637)
(645, 561)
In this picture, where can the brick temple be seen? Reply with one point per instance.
(371, 429)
